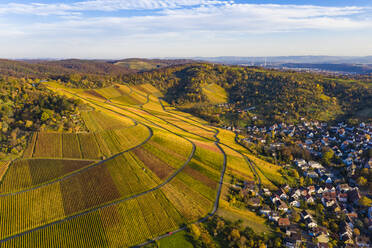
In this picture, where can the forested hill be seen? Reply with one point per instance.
(269, 94)
(81, 73)
(217, 92)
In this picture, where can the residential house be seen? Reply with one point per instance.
(295, 203)
(319, 190)
(329, 198)
(283, 222)
(354, 195)
(255, 201)
(311, 223)
(275, 199)
(300, 162)
(274, 216)
(322, 245)
(304, 192)
(309, 199)
(283, 195)
(311, 189)
(265, 210)
(283, 206)
(342, 197)
(343, 187)
(346, 233)
(294, 240)
(266, 192)
(315, 165)
(312, 174)
(305, 215)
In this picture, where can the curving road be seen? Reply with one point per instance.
(216, 204)
(87, 167)
(218, 195)
(80, 170)
(117, 201)
(219, 190)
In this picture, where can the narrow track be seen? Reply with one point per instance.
(250, 164)
(253, 164)
(113, 202)
(87, 167)
(105, 205)
(215, 205)
(218, 195)
(217, 143)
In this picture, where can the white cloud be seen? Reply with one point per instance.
(242, 18)
(99, 5)
(204, 22)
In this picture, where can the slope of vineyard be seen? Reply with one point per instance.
(31, 172)
(140, 171)
(92, 145)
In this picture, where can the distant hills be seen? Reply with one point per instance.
(56, 68)
(149, 64)
(269, 94)
(275, 94)
(290, 59)
(333, 64)
(49, 67)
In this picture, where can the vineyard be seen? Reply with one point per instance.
(92, 145)
(139, 171)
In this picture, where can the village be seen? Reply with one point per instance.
(347, 142)
(331, 206)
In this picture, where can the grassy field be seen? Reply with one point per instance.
(270, 171)
(249, 219)
(237, 165)
(215, 93)
(176, 240)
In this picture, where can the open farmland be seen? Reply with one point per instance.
(139, 172)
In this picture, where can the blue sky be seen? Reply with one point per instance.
(113, 29)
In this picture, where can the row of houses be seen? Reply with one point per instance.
(347, 142)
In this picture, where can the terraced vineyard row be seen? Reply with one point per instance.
(29, 172)
(123, 224)
(98, 121)
(93, 195)
(173, 179)
(95, 145)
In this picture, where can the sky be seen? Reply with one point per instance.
(115, 29)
